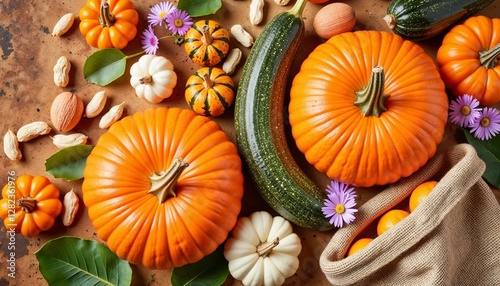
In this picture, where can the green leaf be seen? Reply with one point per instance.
(68, 163)
(211, 270)
(105, 66)
(489, 152)
(197, 8)
(75, 261)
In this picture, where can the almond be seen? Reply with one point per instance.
(66, 111)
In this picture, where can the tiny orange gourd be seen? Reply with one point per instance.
(108, 23)
(368, 108)
(206, 42)
(469, 59)
(30, 204)
(163, 187)
(210, 91)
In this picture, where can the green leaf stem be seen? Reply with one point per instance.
(75, 261)
(211, 270)
(105, 66)
(68, 163)
(197, 8)
(489, 152)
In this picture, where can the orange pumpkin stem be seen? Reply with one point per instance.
(371, 98)
(206, 38)
(265, 248)
(489, 58)
(207, 82)
(106, 19)
(27, 204)
(163, 184)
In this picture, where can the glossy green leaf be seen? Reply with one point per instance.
(211, 270)
(105, 66)
(197, 8)
(68, 163)
(489, 152)
(75, 261)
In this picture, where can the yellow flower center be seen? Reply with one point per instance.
(485, 122)
(339, 208)
(465, 110)
(162, 14)
(178, 23)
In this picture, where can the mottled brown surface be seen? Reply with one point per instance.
(28, 53)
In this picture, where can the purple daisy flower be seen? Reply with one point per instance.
(339, 205)
(179, 22)
(464, 110)
(487, 125)
(149, 41)
(159, 13)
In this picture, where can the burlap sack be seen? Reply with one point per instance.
(452, 238)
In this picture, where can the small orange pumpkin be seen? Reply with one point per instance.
(108, 23)
(206, 42)
(469, 59)
(30, 205)
(163, 187)
(368, 108)
(210, 91)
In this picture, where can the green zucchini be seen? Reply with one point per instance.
(259, 123)
(420, 20)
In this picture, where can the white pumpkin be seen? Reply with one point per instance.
(153, 78)
(263, 250)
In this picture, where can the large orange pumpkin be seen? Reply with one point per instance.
(368, 108)
(469, 59)
(163, 187)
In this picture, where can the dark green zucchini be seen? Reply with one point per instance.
(424, 19)
(259, 123)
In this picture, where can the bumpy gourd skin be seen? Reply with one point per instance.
(210, 91)
(259, 123)
(351, 138)
(30, 205)
(206, 43)
(419, 20)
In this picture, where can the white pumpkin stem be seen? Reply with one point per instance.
(265, 248)
(207, 82)
(146, 79)
(371, 98)
(163, 184)
(106, 19)
(206, 38)
(489, 58)
(27, 204)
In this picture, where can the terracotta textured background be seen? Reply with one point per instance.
(28, 54)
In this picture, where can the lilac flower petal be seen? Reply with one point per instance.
(487, 125)
(464, 111)
(339, 204)
(179, 22)
(149, 41)
(159, 13)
